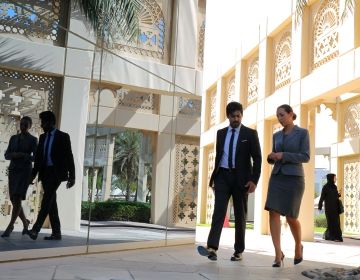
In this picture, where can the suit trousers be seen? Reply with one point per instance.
(50, 184)
(228, 184)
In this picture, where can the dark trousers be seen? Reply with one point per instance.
(49, 207)
(227, 184)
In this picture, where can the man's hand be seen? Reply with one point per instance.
(250, 186)
(70, 183)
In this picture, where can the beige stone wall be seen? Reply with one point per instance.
(305, 65)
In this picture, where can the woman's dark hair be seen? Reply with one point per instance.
(287, 108)
(48, 116)
(28, 119)
(330, 178)
(233, 107)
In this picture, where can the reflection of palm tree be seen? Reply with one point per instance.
(112, 18)
(126, 159)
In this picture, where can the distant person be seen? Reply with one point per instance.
(20, 152)
(236, 173)
(290, 149)
(330, 195)
(54, 163)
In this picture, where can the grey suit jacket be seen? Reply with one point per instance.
(296, 150)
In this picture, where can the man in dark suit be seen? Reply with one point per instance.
(236, 173)
(54, 163)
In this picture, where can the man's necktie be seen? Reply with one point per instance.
(47, 146)
(230, 157)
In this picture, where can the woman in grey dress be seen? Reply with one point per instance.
(286, 186)
(20, 152)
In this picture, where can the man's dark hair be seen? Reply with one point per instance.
(28, 119)
(233, 107)
(48, 116)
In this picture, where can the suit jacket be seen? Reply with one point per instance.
(61, 156)
(247, 154)
(27, 146)
(296, 150)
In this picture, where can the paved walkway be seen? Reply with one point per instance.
(183, 262)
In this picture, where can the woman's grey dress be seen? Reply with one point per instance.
(286, 185)
(20, 169)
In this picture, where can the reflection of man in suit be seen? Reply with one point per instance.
(236, 173)
(54, 163)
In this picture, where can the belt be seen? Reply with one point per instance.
(228, 169)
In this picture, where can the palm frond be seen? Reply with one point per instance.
(348, 8)
(112, 18)
(300, 6)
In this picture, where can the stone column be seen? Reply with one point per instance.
(94, 179)
(306, 119)
(110, 144)
(142, 176)
(162, 162)
(85, 185)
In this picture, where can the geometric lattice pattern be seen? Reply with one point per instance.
(189, 107)
(150, 41)
(140, 101)
(201, 46)
(352, 120)
(186, 182)
(352, 196)
(283, 61)
(212, 103)
(253, 81)
(210, 198)
(24, 20)
(101, 152)
(22, 94)
(325, 33)
(230, 89)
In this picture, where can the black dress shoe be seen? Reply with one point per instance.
(210, 253)
(26, 228)
(8, 231)
(53, 237)
(33, 234)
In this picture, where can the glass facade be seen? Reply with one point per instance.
(134, 127)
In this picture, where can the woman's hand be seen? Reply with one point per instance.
(17, 155)
(275, 156)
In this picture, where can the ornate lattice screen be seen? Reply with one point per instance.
(253, 80)
(189, 107)
(212, 106)
(210, 198)
(22, 94)
(283, 61)
(151, 39)
(352, 196)
(326, 38)
(38, 19)
(352, 120)
(186, 181)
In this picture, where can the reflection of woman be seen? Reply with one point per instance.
(330, 195)
(286, 185)
(20, 152)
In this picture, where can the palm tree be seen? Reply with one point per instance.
(301, 4)
(126, 159)
(112, 19)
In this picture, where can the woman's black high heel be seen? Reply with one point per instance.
(279, 263)
(299, 260)
(8, 231)
(26, 230)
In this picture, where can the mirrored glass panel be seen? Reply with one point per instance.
(131, 108)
